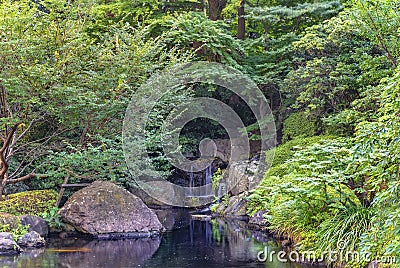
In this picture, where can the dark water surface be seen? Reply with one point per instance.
(198, 244)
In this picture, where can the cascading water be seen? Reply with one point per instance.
(191, 181)
(207, 183)
(208, 180)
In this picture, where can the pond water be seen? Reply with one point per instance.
(200, 244)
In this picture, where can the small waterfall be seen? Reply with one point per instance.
(208, 180)
(191, 181)
(209, 175)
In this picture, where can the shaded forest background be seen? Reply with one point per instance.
(328, 68)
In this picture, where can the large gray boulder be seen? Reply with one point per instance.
(236, 208)
(105, 208)
(8, 245)
(242, 177)
(31, 240)
(36, 224)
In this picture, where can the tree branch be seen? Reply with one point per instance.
(3, 161)
(379, 37)
(23, 178)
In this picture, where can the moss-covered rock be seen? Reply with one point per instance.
(30, 202)
(8, 222)
(105, 208)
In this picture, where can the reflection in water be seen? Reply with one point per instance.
(214, 244)
(96, 253)
(198, 244)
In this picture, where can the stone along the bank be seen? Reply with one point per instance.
(7, 244)
(105, 208)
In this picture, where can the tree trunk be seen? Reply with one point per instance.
(205, 7)
(266, 28)
(3, 158)
(215, 8)
(1, 191)
(241, 21)
(4, 179)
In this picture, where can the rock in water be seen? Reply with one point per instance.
(8, 245)
(36, 224)
(105, 208)
(257, 221)
(237, 207)
(31, 240)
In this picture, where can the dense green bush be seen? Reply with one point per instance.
(280, 167)
(298, 125)
(30, 202)
(286, 150)
(341, 189)
(101, 161)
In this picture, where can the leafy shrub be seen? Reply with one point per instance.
(30, 202)
(298, 125)
(258, 200)
(216, 178)
(286, 150)
(215, 43)
(307, 189)
(12, 224)
(53, 218)
(341, 124)
(103, 160)
(8, 221)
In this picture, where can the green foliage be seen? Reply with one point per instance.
(383, 239)
(378, 144)
(53, 218)
(286, 150)
(210, 39)
(31, 202)
(216, 178)
(345, 188)
(68, 83)
(214, 207)
(101, 161)
(380, 21)
(12, 224)
(298, 125)
(8, 222)
(343, 230)
(68, 73)
(259, 199)
(335, 65)
(293, 17)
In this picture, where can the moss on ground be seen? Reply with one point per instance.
(29, 202)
